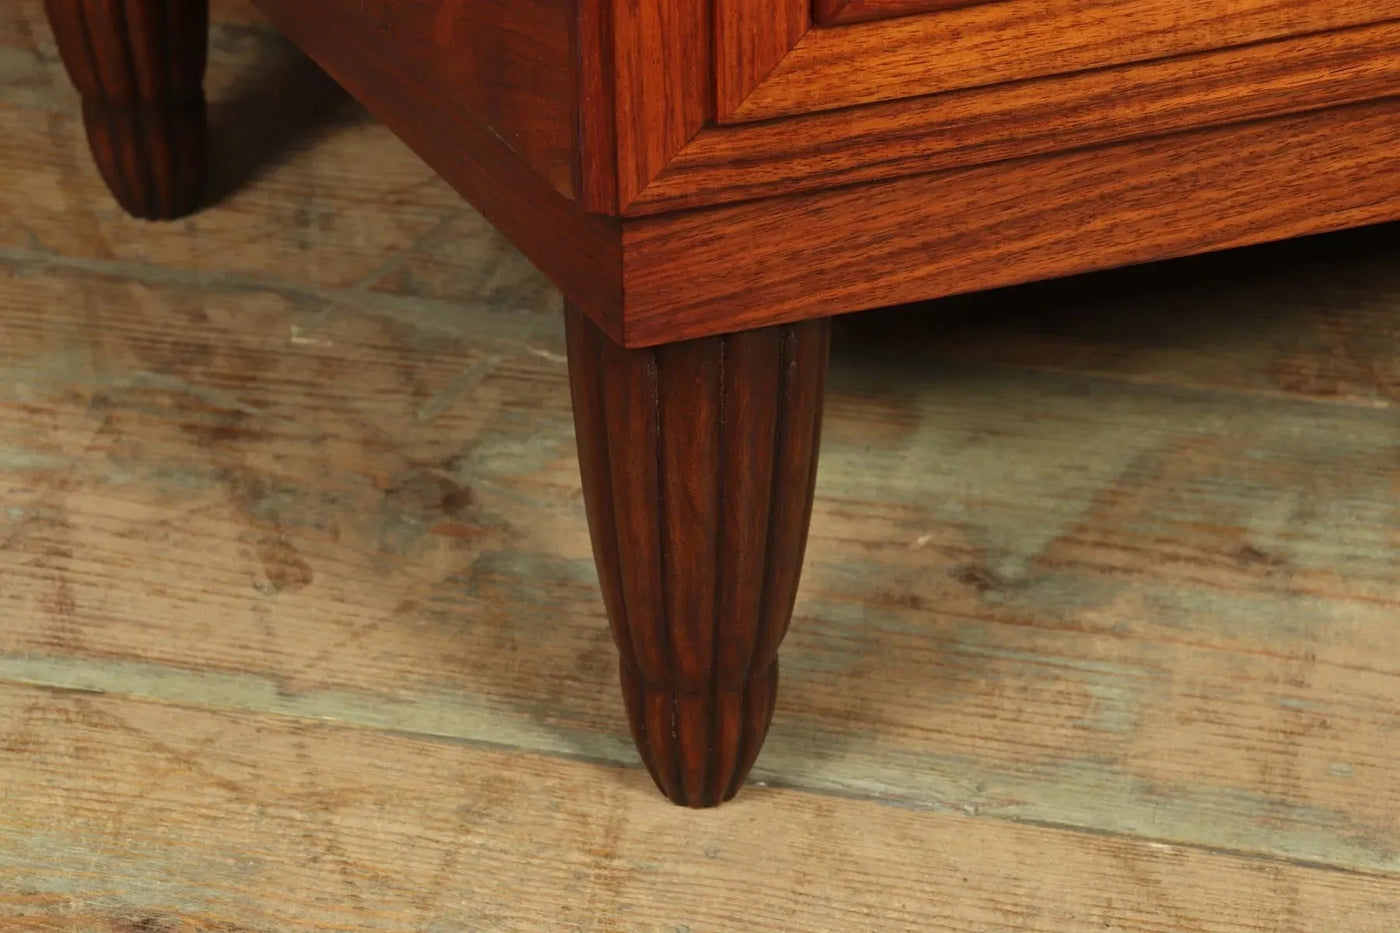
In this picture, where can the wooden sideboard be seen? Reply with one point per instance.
(708, 181)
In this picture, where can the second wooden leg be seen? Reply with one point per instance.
(699, 462)
(139, 66)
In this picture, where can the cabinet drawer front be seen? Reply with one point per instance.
(913, 49)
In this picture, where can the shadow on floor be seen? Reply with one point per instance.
(282, 105)
(1193, 302)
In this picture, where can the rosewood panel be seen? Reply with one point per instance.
(595, 116)
(1013, 40)
(664, 84)
(837, 12)
(751, 38)
(505, 63)
(909, 239)
(963, 128)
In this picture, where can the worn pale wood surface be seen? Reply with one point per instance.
(430, 835)
(299, 629)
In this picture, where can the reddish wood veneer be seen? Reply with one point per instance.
(748, 161)
(1014, 40)
(785, 259)
(839, 12)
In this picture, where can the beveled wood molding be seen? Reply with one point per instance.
(663, 72)
(934, 133)
(842, 12)
(853, 96)
(991, 43)
(596, 152)
(721, 269)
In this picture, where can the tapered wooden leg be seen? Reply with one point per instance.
(699, 461)
(139, 66)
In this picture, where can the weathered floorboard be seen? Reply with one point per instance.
(243, 822)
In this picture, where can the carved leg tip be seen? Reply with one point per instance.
(151, 156)
(699, 747)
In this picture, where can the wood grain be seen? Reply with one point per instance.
(750, 40)
(699, 464)
(990, 43)
(923, 134)
(840, 12)
(664, 87)
(139, 66)
(508, 61)
(328, 828)
(596, 154)
(783, 259)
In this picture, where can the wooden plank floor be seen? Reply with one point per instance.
(299, 628)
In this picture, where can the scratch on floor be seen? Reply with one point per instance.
(467, 379)
(454, 319)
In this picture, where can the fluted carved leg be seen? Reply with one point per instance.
(139, 66)
(699, 461)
